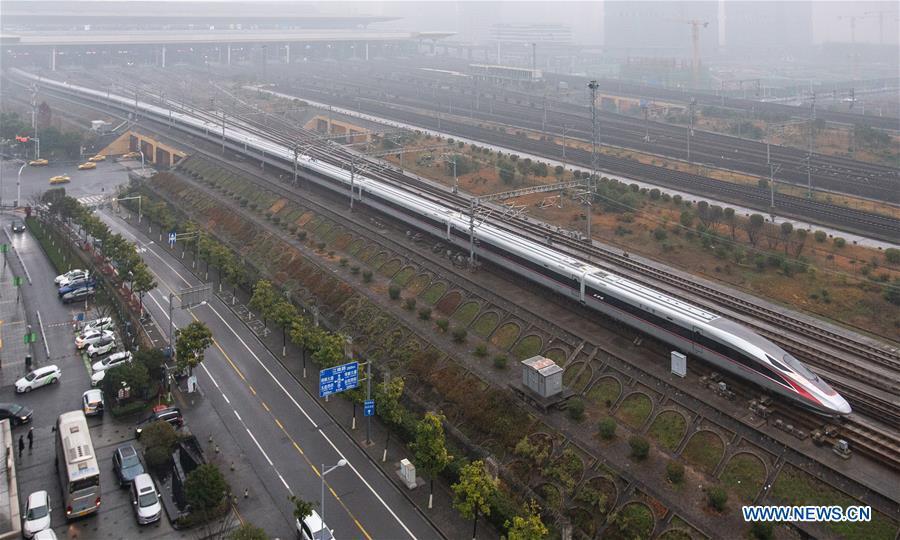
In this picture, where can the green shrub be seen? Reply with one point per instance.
(301, 235)
(394, 292)
(717, 498)
(675, 472)
(640, 448)
(480, 350)
(500, 361)
(575, 409)
(367, 276)
(820, 236)
(343, 261)
(892, 255)
(410, 304)
(320, 246)
(459, 335)
(607, 428)
(839, 242)
(761, 530)
(442, 324)
(425, 313)
(157, 458)
(354, 270)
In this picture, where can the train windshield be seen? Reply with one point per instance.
(799, 367)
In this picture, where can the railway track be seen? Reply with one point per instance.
(550, 116)
(886, 409)
(867, 223)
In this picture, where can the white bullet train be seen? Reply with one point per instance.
(687, 328)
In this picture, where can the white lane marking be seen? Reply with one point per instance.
(300, 408)
(291, 491)
(241, 420)
(228, 401)
(265, 455)
(44, 335)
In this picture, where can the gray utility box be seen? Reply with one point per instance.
(542, 376)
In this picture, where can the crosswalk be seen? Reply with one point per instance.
(93, 201)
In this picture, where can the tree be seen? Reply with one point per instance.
(159, 439)
(248, 531)
(153, 360)
(753, 226)
(264, 297)
(131, 375)
(429, 448)
(329, 350)
(284, 313)
(528, 526)
(302, 508)
(205, 489)
(892, 255)
(234, 274)
(190, 345)
(717, 498)
(607, 428)
(142, 282)
(675, 472)
(787, 229)
(640, 448)
(387, 395)
(729, 217)
(473, 493)
(800, 236)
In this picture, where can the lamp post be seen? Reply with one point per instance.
(18, 185)
(325, 471)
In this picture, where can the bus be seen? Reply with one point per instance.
(76, 465)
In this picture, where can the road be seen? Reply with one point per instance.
(282, 429)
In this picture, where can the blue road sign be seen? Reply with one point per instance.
(369, 407)
(79, 316)
(336, 379)
(173, 237)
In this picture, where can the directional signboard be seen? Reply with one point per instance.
(369, 407)
(336, 379)
(173, 237)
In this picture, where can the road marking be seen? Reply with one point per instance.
(44, 335)
(296, 404)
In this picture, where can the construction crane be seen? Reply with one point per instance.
(852, 19)
(880, 13)
(696, 24)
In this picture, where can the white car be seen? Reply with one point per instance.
(145, 499)
(97, 377)
(92, 336)
(111, 361)
(40, 377)
(92, 402)
(104, 345)
(312, 528)
(70, 276)
(46, 534)
(103, 323)
(37, 514)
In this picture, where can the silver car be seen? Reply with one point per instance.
(92, 402)
(145, 500)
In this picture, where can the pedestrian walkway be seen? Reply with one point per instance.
(13, 322)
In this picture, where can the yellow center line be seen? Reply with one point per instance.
(265, 406)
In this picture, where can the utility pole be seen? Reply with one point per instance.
(473, 204)
(296, 149)
(812, 122)
(565, 131)
(594, 136)
(690, 131)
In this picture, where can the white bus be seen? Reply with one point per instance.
(76, 465)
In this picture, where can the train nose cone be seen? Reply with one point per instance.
(840, 405)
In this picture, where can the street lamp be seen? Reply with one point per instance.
(325, 471)
(18, 185)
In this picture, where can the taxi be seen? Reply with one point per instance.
(38, 162)
(97, 158)
(131, 155)
(61, 179)
(87, 166)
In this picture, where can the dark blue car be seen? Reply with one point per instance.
(75, 285)
(126, 464)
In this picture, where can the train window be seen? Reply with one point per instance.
(799, 367)
(778, 364)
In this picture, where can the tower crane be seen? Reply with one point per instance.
(696, 24)
(880, 13)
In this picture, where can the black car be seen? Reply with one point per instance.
(78, 294)
(18, 226)
(126, 464)
(172, 415)
(17, 414)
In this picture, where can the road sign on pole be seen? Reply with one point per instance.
(369, 407)
(336, 379)
(30, 337)
(4, 248)
(173, 237)
(17, 281)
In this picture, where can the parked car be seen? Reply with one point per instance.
(76, 284)
(78, 295)
(40, 377)
(92, 402)
(17, 414)
(89, 336)
(46, 534)
(104, 345)
(97, 378)
(126, 464)
(37, 514)
(145, 500)
(69, 276)
(111, 361)
(312, 528)
(103, 323)
(172, 415)
(18, 226)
